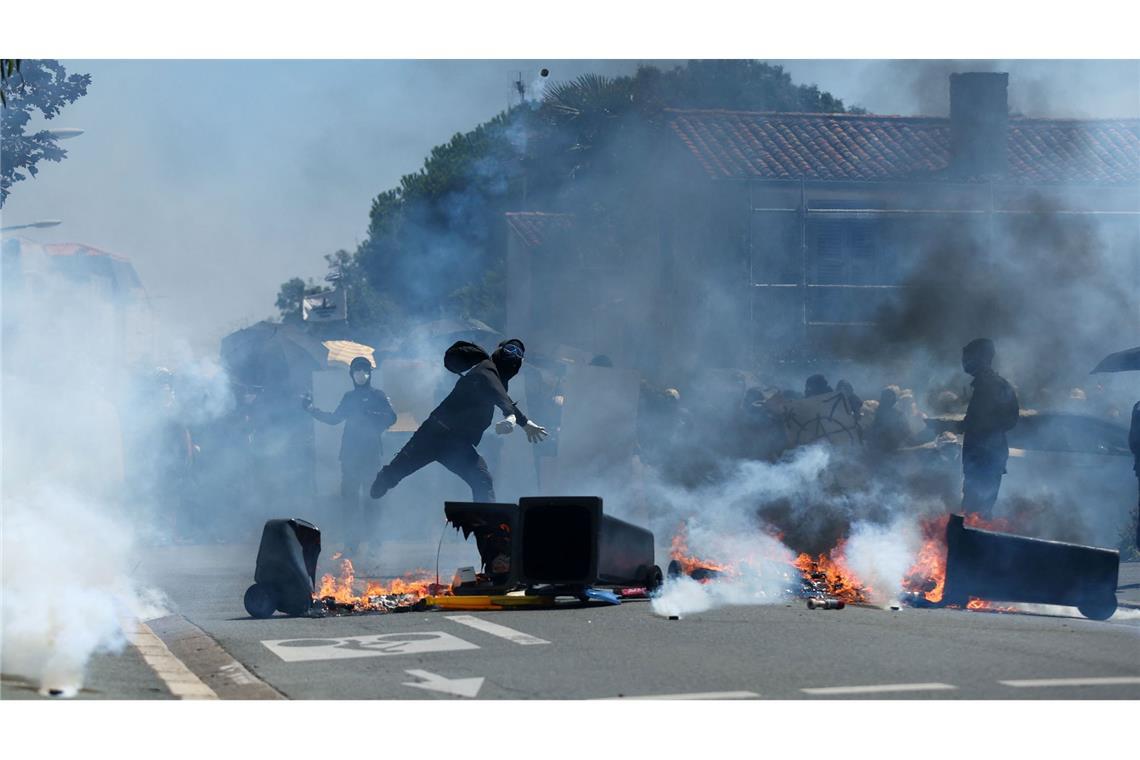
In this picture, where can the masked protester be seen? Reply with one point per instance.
(992, 411)
(1134, 444)
(366, 413)
(452, 431)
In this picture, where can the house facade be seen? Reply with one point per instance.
(777, 235)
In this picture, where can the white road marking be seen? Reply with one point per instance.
(879, 688)
(510, 634)
(696, 695)
(462, 687)
(172, 671)
(1039, 682)
(375, 645)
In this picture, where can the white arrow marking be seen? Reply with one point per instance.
(460, 687)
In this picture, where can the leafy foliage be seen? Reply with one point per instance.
(435, 243)
(29, 86)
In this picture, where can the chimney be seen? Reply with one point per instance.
(979, 124)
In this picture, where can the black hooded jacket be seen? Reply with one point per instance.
(366, 413)
(469, 408)
(993, 409)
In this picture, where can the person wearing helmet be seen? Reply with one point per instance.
(993, 410)
(366, 413)
(452, 431)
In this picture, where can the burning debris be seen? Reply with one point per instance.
(963, 562)
(339, 595)
(538, 552)
(822, 580)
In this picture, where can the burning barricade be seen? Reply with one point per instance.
(539, 551)
(963, 562)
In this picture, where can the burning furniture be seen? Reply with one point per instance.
(996, 566)
(286, 569)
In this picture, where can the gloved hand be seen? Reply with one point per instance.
(505, 425)
(535, 432)
(306, 401)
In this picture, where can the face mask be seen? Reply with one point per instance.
(360, 378)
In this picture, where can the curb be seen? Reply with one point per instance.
(205, 660)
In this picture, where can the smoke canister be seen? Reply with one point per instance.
(825, 603)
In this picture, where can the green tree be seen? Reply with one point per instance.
(435, 242)
(29, 86)
(290, 298)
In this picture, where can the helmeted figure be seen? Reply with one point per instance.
(992, 411)
(366, 413)
(454, 428)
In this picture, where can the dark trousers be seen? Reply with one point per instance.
(981, 480)
(353, 480)
(435, 443)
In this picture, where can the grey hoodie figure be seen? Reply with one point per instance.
(366, 413)
(452, 431)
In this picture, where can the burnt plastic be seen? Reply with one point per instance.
(483, 519)
(287, 564)
(1007, 568)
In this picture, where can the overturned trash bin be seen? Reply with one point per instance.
(497, 537)
(286, 569)
(1003, 567)
(568, 541)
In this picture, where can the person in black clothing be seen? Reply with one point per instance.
(1134, 444)
(366, 413)
(889, 430)
(993, 410)
(452, 431)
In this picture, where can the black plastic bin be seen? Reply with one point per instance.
(1002, 567)
(286, 569)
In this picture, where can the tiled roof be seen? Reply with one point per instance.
(75, 261)
(536, 227)
(79, 249)
(747, 145)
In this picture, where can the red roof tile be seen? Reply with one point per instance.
(746, 145)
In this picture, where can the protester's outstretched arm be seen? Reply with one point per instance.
(329, 418)
(502, 400)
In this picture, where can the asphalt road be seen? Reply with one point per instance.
(782, 651)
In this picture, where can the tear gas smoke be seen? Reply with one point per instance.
(77, 497)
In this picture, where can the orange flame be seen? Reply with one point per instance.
(927, 576)
(831, 569)
(415, 584)
(679, 551)
(928, 573)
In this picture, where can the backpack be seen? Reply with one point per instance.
(462, 356)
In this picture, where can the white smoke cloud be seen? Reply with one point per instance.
(73, 506)
(880, 556)
(67, 586)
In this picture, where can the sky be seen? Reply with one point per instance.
(221, 179)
